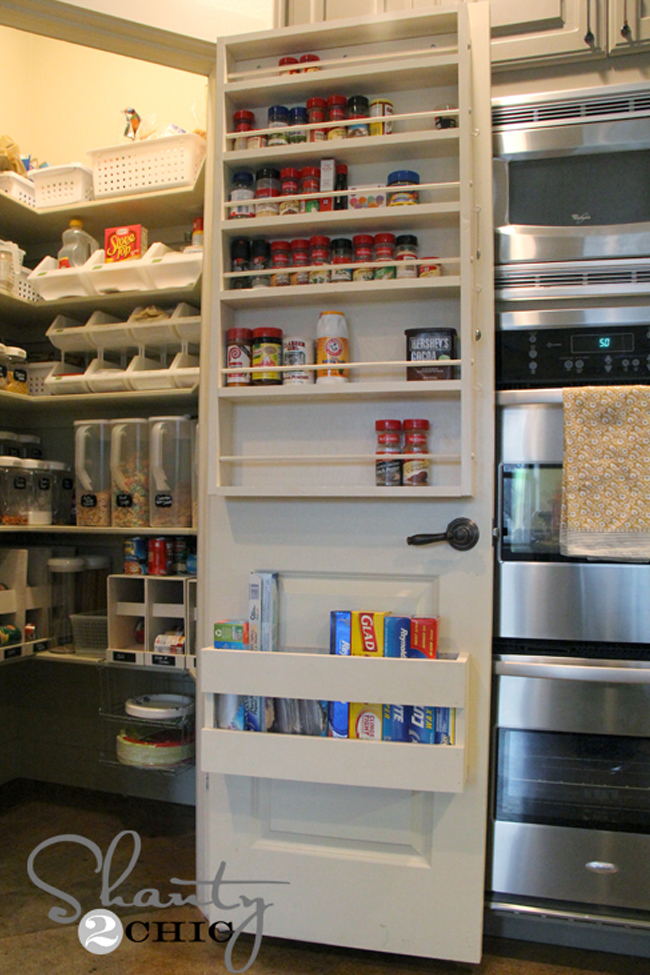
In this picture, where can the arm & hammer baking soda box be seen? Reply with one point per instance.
(397, 638)
(367, 640)
(263, 635)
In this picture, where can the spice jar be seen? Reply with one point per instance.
(307, 62)
(240, 256)
(298, 116)
(432, 269)
(341, 254)
(416, 441)
(289, 186)
(388, 471)
(256, 142)
(16, 377)
(406, 250)
(278, 119)
(380, 108)
(238, 353)
(336, 112)
(241, 190)
(267, 351)
(358, 107)
(244, 122)
(403, 178)
(362, 244)
(319, 254)
(267, 186)
(446, 121)
(385, 251)
(309, 183)
(260, 259)
(341, 183)
(296, 352)
(286, 66)
(317, 112)
(280, 257)
(300, 258)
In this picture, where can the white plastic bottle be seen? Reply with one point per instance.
(332, 347)
(77, 245)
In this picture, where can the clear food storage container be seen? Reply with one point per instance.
(170, 454)
(15, 491)
(40, 504)
(65, 576)
(92, 451)
(63, 487)
(130, 473)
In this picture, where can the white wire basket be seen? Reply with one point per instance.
(90, 632)
(143, 167)
(57, 185)
(18, 187)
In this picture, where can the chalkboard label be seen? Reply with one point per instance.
(163, 660)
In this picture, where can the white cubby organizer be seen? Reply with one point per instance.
(319, 440)
(26, 598)
(163, 602)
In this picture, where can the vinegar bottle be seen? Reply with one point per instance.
(77, 245)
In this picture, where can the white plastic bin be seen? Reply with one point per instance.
(58, 185)
(64, 379)
(143, 167)
(18, 187)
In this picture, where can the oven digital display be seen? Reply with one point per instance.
(602, 342)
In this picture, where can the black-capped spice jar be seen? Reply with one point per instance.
(406, 252)
(260, 260)
(363, 245)
(267, 187)
(317, 112)
(238, 353)
(337, 111)
(267, 351)
(358, 107)
(384, 252)
(388, 470)
(240, 256)
(280, 258)
(415, 473)
(299, 258)
(341, 251)
(289, 186)
(319, 253)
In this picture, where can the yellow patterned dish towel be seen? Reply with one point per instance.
(606, 474)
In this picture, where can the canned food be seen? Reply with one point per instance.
(179, 556)
(157, 563)
(171, 642)
(135, 556)
(9, 633)
(424, 345)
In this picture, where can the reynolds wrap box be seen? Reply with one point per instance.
(231, 635)
(263, 635)
(397, 634)
(340, 642)
(422, 725)
(424, 638)
(445, 726)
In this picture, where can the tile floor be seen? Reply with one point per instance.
(32, 944)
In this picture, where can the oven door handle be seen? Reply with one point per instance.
(605, 674)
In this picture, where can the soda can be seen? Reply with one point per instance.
(135, 556)
(158, 559)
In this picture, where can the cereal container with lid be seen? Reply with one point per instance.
(92, 453)
(170, 473)
(130, 473)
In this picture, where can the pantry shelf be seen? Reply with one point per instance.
(353, 291)
(419, 493)
(418, 215)
(96, 404)
(353, 390)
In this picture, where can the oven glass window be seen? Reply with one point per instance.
(590, 190)
(531, 504)
(558, 779)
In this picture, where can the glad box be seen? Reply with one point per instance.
(125, 243)
(367, 637)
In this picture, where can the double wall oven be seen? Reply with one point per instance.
(570, 810)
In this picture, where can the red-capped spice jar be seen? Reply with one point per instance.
(238, 353)
(337, 111)
(307, 62)
(244, 121)
(300, 258)
(309, 183)
(319, 253)
(280, 257)
(288, 66)
(289, 186)
(267, 351)
(317, 112)
(415, 473)
(362, 254)
(388, 470)
(384, 252)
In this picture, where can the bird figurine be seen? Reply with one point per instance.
(132, 123)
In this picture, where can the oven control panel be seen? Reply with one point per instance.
(585, 356)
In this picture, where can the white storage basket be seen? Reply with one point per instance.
(19, 187)
(37, 373)
(142, 167)
(22, 286)
(57, 185)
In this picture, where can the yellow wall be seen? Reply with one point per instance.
(61, 99)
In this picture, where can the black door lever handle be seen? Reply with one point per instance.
(461, 533)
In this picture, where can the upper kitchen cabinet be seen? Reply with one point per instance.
(546, 30)
(629, 26)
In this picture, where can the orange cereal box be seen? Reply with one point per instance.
(125, 243)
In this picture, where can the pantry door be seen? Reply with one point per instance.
(374, 845)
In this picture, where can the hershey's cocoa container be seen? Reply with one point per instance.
(426, 345)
